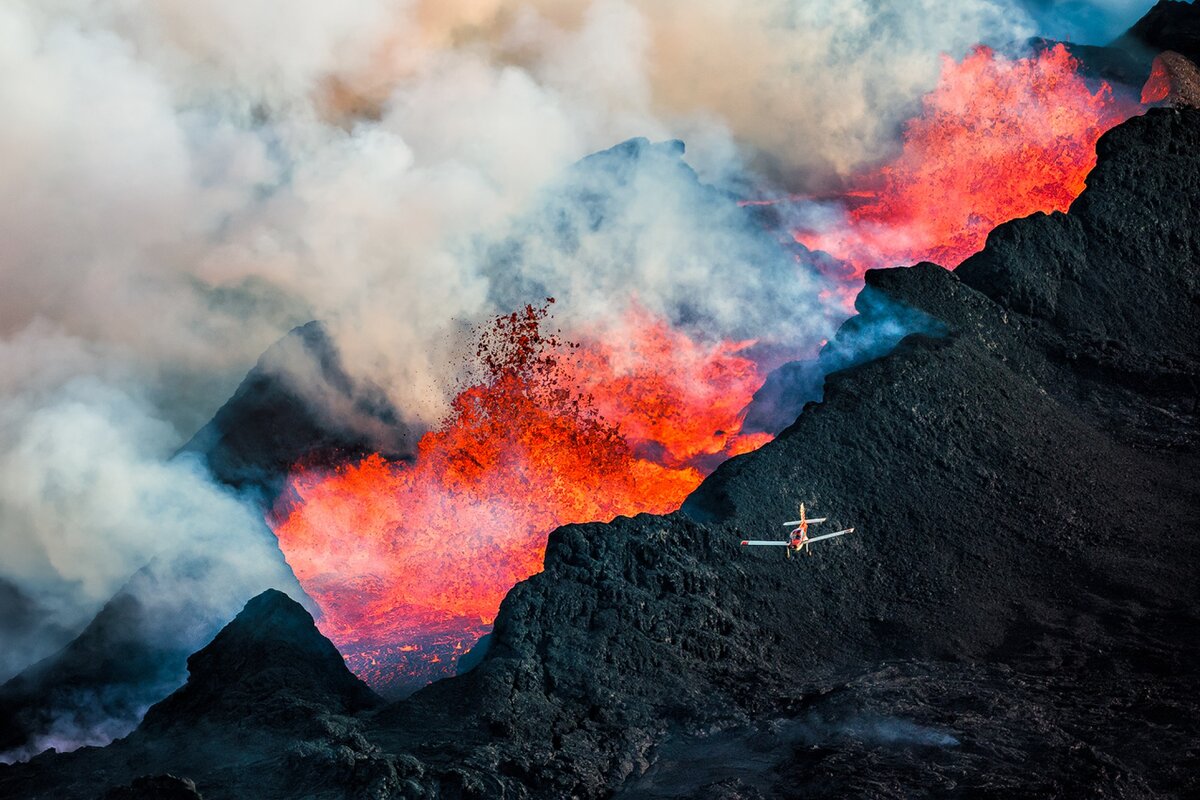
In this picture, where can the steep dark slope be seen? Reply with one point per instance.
(1015, 614)
(98, 686)
(268, 690)
(1008, 543)
(270, 656)
(101, 682)
(1127, 60)
(297, 403)
(1135, 227)
(1016, 507)
(1169, 25)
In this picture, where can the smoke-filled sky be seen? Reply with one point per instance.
(186, 181)
(1085, 21)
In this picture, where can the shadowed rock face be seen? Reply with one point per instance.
(1169, 25)
(990, 472)
(1127, 60)
(1046, 266)
(268, 687)
(271, 657)
(297, 404)
(99, 685)
(1014, 614)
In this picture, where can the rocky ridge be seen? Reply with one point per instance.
(1015, 612)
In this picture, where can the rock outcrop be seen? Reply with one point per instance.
(272, 657)
(297, 404)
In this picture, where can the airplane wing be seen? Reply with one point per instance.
(830, 535)
(764, 543)
(810, 522)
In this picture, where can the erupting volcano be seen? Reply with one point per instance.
(409, 562)
(997, 139)
(433, 399)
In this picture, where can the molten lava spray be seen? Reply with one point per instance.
(997, 139)
(409, 562)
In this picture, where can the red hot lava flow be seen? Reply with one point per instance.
(997, 139)
(409, 562)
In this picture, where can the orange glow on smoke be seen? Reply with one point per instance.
(409, 562)
(996, 140)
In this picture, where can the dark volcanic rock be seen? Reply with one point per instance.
(880, 325)
(269, 689)
(1170, 25)
(98, 686)
(988, 470)
(297, 404)
(1045, 266)
(1127, 60)
(1015, 614)
(270, 657)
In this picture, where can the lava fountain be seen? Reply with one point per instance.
(409, 561)
(997, 139)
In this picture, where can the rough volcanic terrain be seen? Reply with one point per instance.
(1014, 616)
(1171, 25)
(284, 412)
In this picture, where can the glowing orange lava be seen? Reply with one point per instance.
(1158, 86)
(997, 139)
(409, 562)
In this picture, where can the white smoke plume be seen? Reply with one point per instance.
(190, 180)
(89, 495)
(186, 181)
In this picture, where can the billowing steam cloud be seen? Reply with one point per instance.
(88, 496)
(90, 503)
(186, 181)
(193, 180)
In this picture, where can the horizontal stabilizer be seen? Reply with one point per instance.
(763, 543)
(809, 521)
(830, 535)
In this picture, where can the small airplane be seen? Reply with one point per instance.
(799, 538)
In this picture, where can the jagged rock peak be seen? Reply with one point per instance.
(1169, 25)
(270, 660)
